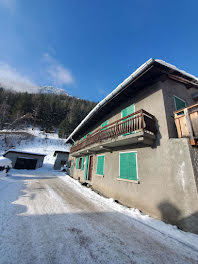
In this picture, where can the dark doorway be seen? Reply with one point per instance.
(90, 168)
(27, 164)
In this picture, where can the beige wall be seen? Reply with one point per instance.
(152, 103)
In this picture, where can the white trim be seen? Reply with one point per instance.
(126, 180)
(99, 175)
(179, 99)
(103, 165)
(136, 167)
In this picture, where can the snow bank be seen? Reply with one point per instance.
(189, 239)
(4, 162)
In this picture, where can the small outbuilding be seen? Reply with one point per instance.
(61, 159)
(24, 160)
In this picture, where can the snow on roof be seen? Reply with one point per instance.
(176, 69)
(23, 152)
(60, 151)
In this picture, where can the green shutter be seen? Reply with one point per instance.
(179, 104)
(77, 161)
(104, 124)
(100, 165)
(128, 111)
(86, 167)
(82, 164)
(128, 166)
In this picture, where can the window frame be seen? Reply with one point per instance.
(102, 155)
(175, 96)
(137, 173)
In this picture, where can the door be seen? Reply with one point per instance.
(90, 168)
(25, 163)
(86, 167)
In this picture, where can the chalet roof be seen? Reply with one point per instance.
(147, 73)
(23, 152)
(60, 151)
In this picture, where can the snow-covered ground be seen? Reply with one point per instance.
(35, 141)
(48, 217)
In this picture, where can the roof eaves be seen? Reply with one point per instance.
(144, 67)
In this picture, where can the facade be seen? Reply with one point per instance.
(61, 159)
(25, 160)
(128, 148)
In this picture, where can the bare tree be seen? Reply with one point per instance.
(4, 110)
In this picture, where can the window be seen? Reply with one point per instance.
(128, 166)
(82, 138)
(128, 111)
(179, 103)
(100, 165)
(82, 163)
(104, 124)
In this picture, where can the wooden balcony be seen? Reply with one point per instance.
(186, 121)
(125, 131)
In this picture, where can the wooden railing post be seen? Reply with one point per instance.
(189, 125)
(142, 120)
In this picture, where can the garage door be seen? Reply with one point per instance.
(25, 163)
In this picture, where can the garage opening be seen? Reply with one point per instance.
(25, 163)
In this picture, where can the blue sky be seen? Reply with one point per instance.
(88, 47)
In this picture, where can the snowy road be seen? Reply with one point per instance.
(46, 218)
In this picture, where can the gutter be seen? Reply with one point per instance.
(116, 91)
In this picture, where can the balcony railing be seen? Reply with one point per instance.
(186, 121)
(138, 121)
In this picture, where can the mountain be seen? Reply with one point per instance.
(20, 88)
(47, 109)
(52, 90)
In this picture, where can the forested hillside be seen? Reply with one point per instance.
(49, 111)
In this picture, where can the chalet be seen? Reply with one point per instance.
(139, 144)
